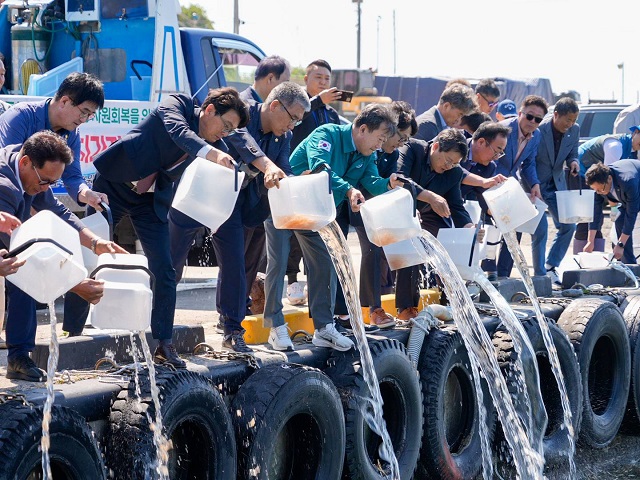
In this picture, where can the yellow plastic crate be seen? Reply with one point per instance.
(297, 318)
(428, 296)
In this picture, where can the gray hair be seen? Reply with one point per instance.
(290, 93)
(375, 116)
(460, 97)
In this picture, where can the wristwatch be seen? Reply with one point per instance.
(620, 244)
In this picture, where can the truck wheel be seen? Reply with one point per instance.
(451, 446)
(555, 441)
(632, 319)
(289, 425)
(402, 408)
(73, 451)
(599, 336)
(195, 420)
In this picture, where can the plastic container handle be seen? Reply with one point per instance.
(236, 169)
(139, 62)
(106, 211)
(319, 168)
(412, 188)
(18, 250)
(116, 266)
(473, 243)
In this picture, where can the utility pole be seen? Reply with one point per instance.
(394, 42)
(236, 17)
(378, 44)
(359, 2)
(621, 67)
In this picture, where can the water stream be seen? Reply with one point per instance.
(521, 264)
(527, 461)
(161, 442)
(528, 402)
(52, 363)
(372, 409)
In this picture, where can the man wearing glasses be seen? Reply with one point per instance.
(238, 254)
(456, 101)
(138, 172)
(558, 149)
(519, 160)
(487, 95)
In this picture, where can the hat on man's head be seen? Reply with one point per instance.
(633, 129)
(507, 108)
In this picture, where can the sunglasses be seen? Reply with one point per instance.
(530, 117)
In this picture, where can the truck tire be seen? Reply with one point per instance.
(599, 336)
(289, 425)
(402, 408)
(631, 315)
(555, 441)
(451, 446)
(195, 420)
(73, 451)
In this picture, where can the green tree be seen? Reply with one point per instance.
(193, 15)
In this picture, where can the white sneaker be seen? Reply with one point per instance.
(553, 275)
(296, 294)
(279, 339)
(331, 338)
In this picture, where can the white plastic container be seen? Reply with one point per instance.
(461, 245)
(474, 210)
(405, 253)
(390, 217)
(98, 225)
(302, 203)
(575, 206)
(531, 225)
(207, 192)
(509, 205)
(128, 299)
(593, 259)
(50, 271)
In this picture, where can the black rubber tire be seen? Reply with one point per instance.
(555, 442)
(631, 316)
(289, 425)
(451, 445)
(402, 408)
(194, 418)
(599, 336)
(74, 452)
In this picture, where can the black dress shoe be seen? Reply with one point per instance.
(23, 368)
(168, 354)
(235, 341)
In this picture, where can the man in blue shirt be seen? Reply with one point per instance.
(270, 72)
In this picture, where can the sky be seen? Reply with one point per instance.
(577, 44)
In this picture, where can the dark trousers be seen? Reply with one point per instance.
(21, 321)
(408, 279)
(153, 233)
(627, 255)
(505, 260)
(228, 244)
(76, 311)
(295, 255)
(376, 278)
(255, 255)
(342, 217)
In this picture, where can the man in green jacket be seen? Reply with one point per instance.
(350, 152)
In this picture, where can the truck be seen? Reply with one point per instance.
(362, 83)
(135, 47)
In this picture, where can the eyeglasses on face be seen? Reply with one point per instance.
(85, 116)
(42, 182)
(496, 153)
(293, 121)
(491, 104)
(530, 117)
(228, 128)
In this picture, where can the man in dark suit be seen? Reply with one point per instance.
(156, 153)
(270, 72)
(519, 160)
(456, 101)
(270, 125)
(558, 148)
(25, 177)
(435, 169)
(618, 182)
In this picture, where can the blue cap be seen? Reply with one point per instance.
(633, 129)
(507, 108)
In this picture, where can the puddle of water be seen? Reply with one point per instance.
(521, 264)
(372, 406)
(528, 462)
(52, 363)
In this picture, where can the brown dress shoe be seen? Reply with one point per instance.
(408, 313)
(381, 319)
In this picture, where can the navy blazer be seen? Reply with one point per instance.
(415, 162)
(508, 166)
(429, 124)
(255, 208)
(626, 184)
(15, 201)
(484, 171)
(549, 167)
